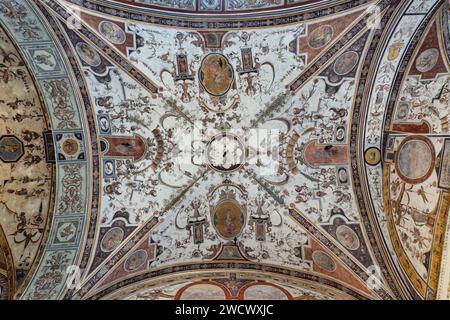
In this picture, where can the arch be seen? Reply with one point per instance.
(210, 267)
(241, 294)
(188, 287)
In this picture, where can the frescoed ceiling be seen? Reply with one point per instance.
(196, 149)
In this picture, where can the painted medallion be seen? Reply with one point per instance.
(346, 63)
(372, 156)
(11, 149)
(112, 239)
(88, 54)
(70, 147)
(415, 159)
(347, 237)
(323, 260)
(228, 220)
(216, 74)
(320, 37)
(136, 260)
(112, 32)
(427, 60)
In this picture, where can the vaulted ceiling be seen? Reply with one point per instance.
(224, 149)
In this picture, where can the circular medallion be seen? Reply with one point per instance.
(320, 37)
(225, 153)
(427, 60)
(228, 220)
(323, 260)
(346, 63)
(112, 239)
(112, 32)
(70, 147)
(347, 237)
(136, 260)
(216, 74)
(415, 159)
(88, 54)
(372, 156)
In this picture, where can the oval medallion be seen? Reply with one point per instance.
(340, 134)
(415, 159)
(323, 260)
(228, 220)
(136, 260)
(346, 63)
(112, 32)
(427, 60)
(320, 37)
(342, 175)
(216, 74)
(112, 239)
(347, 237)
(88, 54)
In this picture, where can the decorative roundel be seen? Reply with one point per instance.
(136, 260)
(427, 60)
(320, 37)
(323, 260)
(347, 237)
(346, 63)
(112, 32)
(88, 54)
(342, 175)
(112, 239)
(228, 220)
(225, 153)
(415, 159)
(104, 124)
(70, 147)
(216, 74)
(372, 156)
(108, 167)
